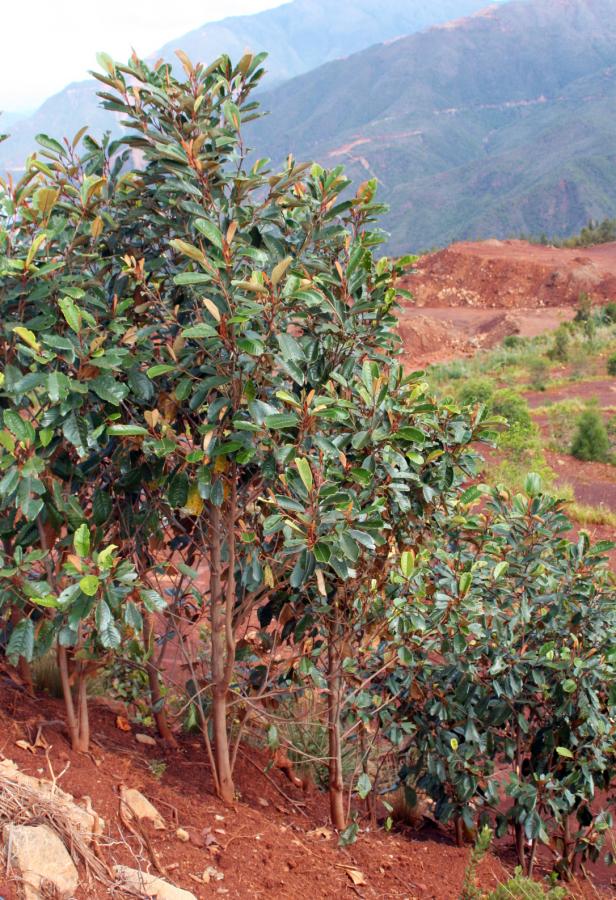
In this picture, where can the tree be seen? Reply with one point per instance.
(591, 441)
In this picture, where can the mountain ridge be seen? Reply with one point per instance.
(299, 35)
(463, 125)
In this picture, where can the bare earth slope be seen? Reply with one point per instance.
(513, 274)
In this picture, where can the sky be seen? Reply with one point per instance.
(45, 44)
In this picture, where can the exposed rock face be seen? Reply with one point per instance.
(150, 885)
(84, 819)
(39, 858)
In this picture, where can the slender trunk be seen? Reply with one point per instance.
(336, 782)
(531, 857)
(83, 718)
(72, 720)
(519, 845)
(226, 789)
(156, 700)
(459, 831)
(519, 828)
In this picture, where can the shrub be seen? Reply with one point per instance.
(560, 347)
(539, 373)
(562, 417)
(609, 312)
(476, 390)
(508, 403)
(611, 365)
(591, 441)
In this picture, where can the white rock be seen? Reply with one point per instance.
(140, 807)
(85, 820)
(37, 855)
(150, 885)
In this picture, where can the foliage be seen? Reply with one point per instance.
(591, 442)
(611, 365)
(516, 663)
(476, 390)
(560, 348)
(521, 888)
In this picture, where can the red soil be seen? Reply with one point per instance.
(513, 274)
(264, 845)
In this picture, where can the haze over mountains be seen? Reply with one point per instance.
(500, 123)
(298, 36)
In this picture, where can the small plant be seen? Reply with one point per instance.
(470, 890)
(611, 365)
(521, 888)
(157, 767)
(539, 373)
(609, 312)
(560, 349)
(584, 308)
(591, 441)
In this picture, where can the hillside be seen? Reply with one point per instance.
(298, 36)
(497, 124)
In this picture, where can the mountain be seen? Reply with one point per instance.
(497, 124)
(298, 36)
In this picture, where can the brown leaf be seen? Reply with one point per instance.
(356, 876)
(24, 745)
(145, 739)
(122, 723)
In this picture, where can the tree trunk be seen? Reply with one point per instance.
(222, 758)
(156, 700)
(336, 781)
(520, 846)
(76, 720)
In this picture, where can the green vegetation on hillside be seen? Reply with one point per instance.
(204, 411)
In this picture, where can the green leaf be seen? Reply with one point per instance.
(409, 433)
(19, 427)
(280, 421)
(126, 430)
(108, 633)
(89, 585)
(108, 389)
(102, 505)
(563, 751)
(81, 541)
(152, 600)
(21, 642)
(161, 369)
(305, 472)
(210, 231)
(200, 331)
(466, 579)
(252, 346)
(71, 313)
(49, 144)
(364, 785)
(407, 563)
(177, 494)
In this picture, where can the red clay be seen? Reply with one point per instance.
(513, 274)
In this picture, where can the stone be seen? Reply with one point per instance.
(182, 835)
(38, 856)
(83, 818)
(140, 808)
(150, 885)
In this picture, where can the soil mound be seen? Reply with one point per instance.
(513, 275)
